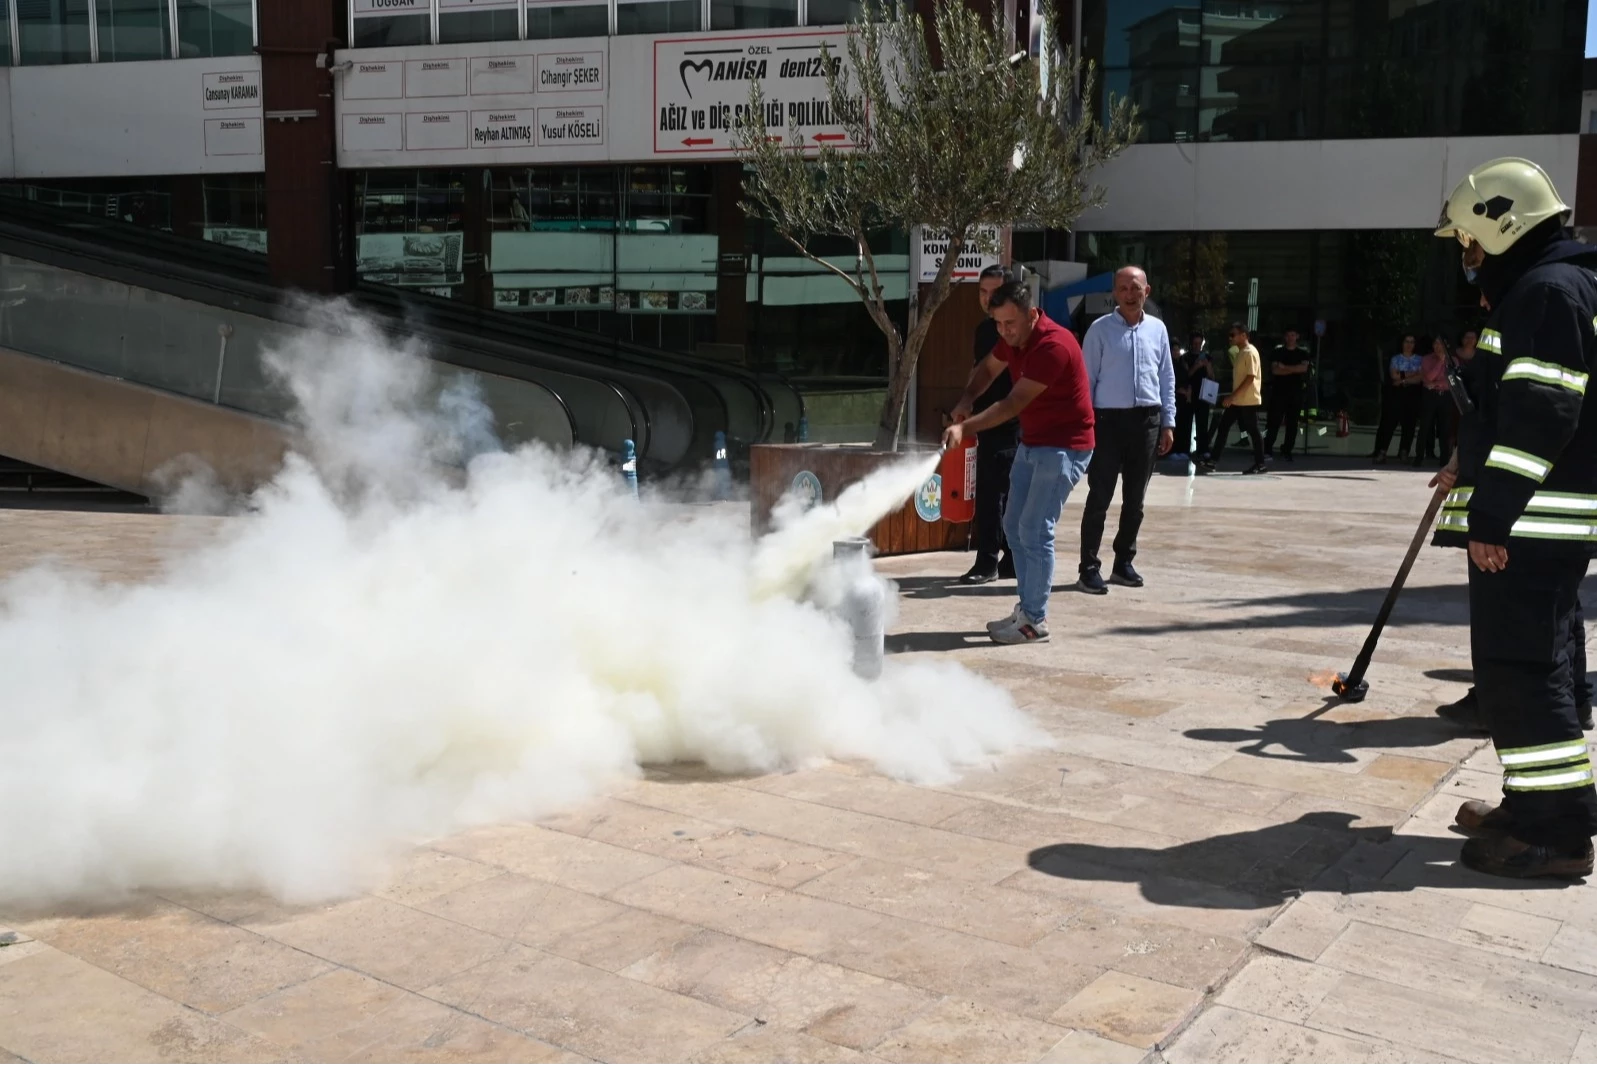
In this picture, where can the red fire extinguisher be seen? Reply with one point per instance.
(1342, 426)
(958, 471)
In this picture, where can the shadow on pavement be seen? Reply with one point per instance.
(1452, 676)
(1268, 865)
(1308, 739)
(1439, 604)
(911, 642)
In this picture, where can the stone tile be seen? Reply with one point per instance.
(1084, 1048)
(424, 874)
(1421, 772)
(1472, 1031)
(1009, 916)
(949, 853)
(543, 854)
(1522, 935)
(752, 855)
(769, 915)
(592, 1012)
(1572, 947)
(185, 956)
(764, 1043)
(1226, 1034)
(344, 1016)
(387, 940)
(1028, 982)
(1586, 1050)
(1129, 1009)
(1305, 928)
(54, 1007)
(847, 788)
(842, 1006)
(1431, 913)
(965, 1031)
(1202, 907)
(1314, 780)
(7, 1058)
(1282, 988)
(533, 912)
(1171, 953)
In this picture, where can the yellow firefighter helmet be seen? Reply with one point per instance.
(1498, 203)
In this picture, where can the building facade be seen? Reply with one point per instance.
(572, 160)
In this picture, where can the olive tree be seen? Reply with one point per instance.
(949, 128)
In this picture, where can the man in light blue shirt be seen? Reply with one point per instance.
(1133, 381)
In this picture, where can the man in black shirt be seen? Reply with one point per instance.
(995, 452)
(1289, 368)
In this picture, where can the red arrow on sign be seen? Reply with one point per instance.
(831, 137)
(691, 141)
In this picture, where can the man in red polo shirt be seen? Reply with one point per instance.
(1053, 401)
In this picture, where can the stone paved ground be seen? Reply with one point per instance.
(1205, 870)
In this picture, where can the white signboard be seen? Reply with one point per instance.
(432, 131)
(370, 8)
(570, 126)
(933, 248)
(571, 72)
(503, 129)
(373, 133)
(435, 77)
(232, 89)
(477, 5)
(503, 75)
(701, 89)
(374, 80)
(233, 136)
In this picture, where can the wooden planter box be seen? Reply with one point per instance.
(774, 467)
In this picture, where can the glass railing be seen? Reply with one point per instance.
(209, 353)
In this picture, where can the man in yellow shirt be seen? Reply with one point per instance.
(1242, 405)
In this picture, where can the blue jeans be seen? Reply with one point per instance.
(1039, 483)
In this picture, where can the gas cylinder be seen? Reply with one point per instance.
(958, 471)
(1342, 426)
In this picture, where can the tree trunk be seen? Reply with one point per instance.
(899, 379)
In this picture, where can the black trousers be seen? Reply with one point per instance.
(1400, 408)
(993, 459)
(1248, 419)
(1192, 427)
(1127, 440)
(1286, 404)
(1522, 623)
(1435, 429)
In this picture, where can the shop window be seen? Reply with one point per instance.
(53, 31)
(132, 30)
(658, 16)
(215, 28)
(668, 199)
(5, 35)
(836, 12)
(391, 23)
(546, 20)
(484, 20)
(235, 211)
(752, 14)
(411, 229)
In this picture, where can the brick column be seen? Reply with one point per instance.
(310, 245)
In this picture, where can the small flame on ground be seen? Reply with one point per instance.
(1323, 678)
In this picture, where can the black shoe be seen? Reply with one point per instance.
(1251, 470)
(1124, 574)
(1286, 456)
(1586, 723)
(979, 575)
(1206, 466)
(1483, 820)
(1503, 855)
(1465, 713)
(1091, 582)
(1006, 567)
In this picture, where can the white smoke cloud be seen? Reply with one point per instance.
(385, 650)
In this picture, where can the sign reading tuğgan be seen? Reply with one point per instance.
(701, 89)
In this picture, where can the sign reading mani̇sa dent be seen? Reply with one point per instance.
(701, 89)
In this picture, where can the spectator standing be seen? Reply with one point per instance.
(1242, 405)
(1051, 398)
(1198, 368)
(1436, 398)
(1400, 407)
(1289, 369)
(1132, 381)
(995, 451)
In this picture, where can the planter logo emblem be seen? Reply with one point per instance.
(807, 489)
(929, 499)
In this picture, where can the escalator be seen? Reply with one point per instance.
(181, 327)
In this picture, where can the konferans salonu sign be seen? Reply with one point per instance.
(932, 246)
(701, 89)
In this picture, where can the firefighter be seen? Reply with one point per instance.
(1525, 506)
